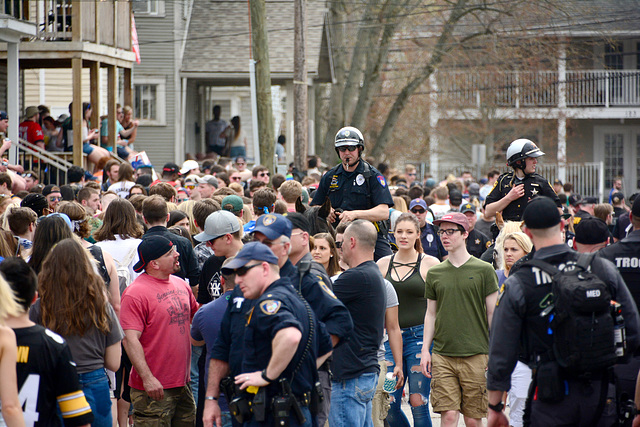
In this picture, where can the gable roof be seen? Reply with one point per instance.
(218, 41)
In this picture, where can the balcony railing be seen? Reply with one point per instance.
(106, 22)
(588, 88)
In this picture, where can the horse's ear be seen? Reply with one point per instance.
(325, 209)
(300, 206)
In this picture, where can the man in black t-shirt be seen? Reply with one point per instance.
(221, 233)
(355, 363)
(46, 373)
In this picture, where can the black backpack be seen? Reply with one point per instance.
(580, 317)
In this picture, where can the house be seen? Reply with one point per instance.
(195, 54)
(83, 37)
(582, 106)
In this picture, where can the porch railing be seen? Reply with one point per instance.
(584, 88)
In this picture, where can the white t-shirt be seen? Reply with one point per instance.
(121, 249)
(122, 188)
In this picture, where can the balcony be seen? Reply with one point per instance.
(528, 89)
(97, 21)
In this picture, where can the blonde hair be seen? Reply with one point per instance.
(187, 207)
(507, 228)
(400, 204)
(8, 304)
(521, 239)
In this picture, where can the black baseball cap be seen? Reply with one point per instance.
(540, 213)
(299, 221)
(151, 248)
(171, 168)
(591, 231)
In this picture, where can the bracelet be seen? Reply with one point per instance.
(210, 398)
(264, 376)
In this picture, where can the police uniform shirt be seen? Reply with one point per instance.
(326, 306)
(625, 255)
(534, 185)
(579, 216)
(515, 318)
(46, 375)
(278, 308)
(351, 191)
(477, 243)
(229, 344)
(431, 244)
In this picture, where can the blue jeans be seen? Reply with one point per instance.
(95, 386)
(195, 372)
(418, 383)
(237, 151)
(351, 401)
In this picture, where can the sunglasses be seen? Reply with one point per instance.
(236, 178)
(418, 211)
(186, 199)
(347, 148)
(263, 174)
(338, 245)
(55, 199)
(448, 232)
(244, 270)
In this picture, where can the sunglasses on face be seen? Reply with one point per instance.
(418, 211)
(448, 232)
(339, 245)
(263, 174)
(347, 148)
(236, 178)
(186, 199)
(244, 270)
(55, 199)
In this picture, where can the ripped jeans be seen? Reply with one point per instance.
(418, 383)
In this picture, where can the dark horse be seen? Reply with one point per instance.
(317, 216)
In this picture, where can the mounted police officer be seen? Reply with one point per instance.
(283, 342)
(513, 190)
(565, 392)
(356, 189)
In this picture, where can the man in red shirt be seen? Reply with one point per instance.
(157, 309)
(30, 130)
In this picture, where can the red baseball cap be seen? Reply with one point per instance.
(454, 218)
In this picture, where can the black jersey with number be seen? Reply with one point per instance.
(46, 376)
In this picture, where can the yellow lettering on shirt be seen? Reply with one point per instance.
(23, 354)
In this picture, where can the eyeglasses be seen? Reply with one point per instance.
(347, 148)
(244, 270)
(418, 211)
(448, 232)
(339, 244)
(263, 174)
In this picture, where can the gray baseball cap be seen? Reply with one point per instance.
(218, 224)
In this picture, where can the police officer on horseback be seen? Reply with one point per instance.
(356, 189)
(513, 190)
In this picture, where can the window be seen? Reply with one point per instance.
(149, 100)
(613, 157)
(613, 59)
(147, 7)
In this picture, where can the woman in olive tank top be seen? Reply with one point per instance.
(407, 270)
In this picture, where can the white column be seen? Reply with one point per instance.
(13, 102)
(433, 128)
(562, 107)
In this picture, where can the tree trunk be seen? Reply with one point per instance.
(300, 95)
(443, 45)
(260, 43)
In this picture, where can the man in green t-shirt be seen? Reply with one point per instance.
(461, 294)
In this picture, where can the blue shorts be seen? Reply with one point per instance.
(87, 148)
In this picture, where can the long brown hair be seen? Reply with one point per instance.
(334, 267)
(50, 230)
(120, 218)
(78, 216)
(72, 294)
(409, 217)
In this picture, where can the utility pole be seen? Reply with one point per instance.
(260, 47)
(300, 95)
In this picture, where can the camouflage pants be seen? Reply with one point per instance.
(176, 409)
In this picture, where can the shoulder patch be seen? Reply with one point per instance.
(327, 289)
(381, 180)
(270, 306)
(57, 338)
(489, 243)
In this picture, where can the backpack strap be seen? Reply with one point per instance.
(584, 260)
(128, 258)
(543, 265)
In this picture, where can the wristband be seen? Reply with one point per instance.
(263, 374)
(210, 398)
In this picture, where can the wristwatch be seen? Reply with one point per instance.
(264, 376)
(210, 398)
(497, 407)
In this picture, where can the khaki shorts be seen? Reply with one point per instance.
(460, 384)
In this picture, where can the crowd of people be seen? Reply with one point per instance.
(214, 294)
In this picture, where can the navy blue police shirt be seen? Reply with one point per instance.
(280, 307)
(326, 306)
(351, 191)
